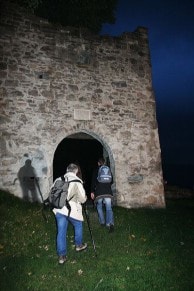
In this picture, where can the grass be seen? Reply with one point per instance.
(151, 249)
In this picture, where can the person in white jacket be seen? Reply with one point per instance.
(77, 196)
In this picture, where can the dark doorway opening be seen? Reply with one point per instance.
(85, 152)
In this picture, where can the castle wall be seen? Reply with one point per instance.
(55, 82)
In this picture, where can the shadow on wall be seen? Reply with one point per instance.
(29, 182)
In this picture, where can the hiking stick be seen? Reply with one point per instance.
(88, 223)
(43, 202)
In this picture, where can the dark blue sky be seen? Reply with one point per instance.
(171, 37)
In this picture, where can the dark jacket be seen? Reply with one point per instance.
(100, 189)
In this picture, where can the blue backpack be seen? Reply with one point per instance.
(104, 175)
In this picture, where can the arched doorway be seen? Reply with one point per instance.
(78, 148)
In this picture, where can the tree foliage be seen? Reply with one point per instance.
(91, 14)
(29, 4)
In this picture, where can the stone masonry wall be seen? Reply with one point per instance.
(55, 82)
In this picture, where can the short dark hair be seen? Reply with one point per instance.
(72, 168)
(101, 161)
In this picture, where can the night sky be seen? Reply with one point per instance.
(171, 38)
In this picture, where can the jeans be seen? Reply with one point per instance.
(62, 224)
(109, 212)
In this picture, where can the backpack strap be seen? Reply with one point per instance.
(67, 200)
(63, 178)
(75, 180)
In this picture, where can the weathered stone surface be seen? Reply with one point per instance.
(55, 83)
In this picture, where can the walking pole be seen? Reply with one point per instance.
(43, 208)
(87, 219)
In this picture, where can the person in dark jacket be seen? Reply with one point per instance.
(102, 194)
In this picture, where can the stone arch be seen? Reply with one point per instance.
(84, 135)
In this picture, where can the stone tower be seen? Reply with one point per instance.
(58, 83)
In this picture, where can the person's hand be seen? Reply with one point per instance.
(92, 196)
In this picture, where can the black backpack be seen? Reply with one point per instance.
(58, 194)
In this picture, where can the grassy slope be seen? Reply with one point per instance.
(149, 250)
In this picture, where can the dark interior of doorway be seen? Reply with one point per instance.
(85, 152)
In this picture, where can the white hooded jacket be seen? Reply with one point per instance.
(76, 190)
